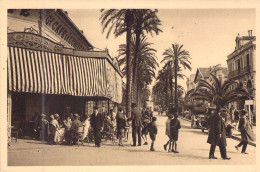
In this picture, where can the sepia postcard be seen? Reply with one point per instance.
(129, 85)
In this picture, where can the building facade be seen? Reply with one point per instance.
(242, 68)
(204, 74)
(190, 82)
(52, 68)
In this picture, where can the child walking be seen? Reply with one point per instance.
(175, 126)
(152, 128)
(167, 133)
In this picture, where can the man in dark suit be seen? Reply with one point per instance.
(136, 117)
(96, 122)
(217, 135)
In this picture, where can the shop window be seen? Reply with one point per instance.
(247, 60)
(238, 65)
(240, 85)
(89, 107)
(249, 84)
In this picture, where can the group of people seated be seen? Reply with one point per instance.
(65, 129)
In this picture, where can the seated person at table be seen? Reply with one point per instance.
(76, 123)
(67, 124)
(86, 125)
(60, 131)
(54, 126)
(108, 125)
(42, 128)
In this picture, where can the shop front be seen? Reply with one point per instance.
(46, 78)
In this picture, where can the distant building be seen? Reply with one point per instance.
(242, 67)
(204, 73)
(190, 82)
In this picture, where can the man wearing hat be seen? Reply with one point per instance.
(96, 122)
(217, 135)
(43, 127)
(136, 124)
(246, 132)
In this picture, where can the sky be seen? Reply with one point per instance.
(208, 34)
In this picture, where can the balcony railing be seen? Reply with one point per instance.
(242, 71)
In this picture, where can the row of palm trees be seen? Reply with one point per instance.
(136, 56)
(138, 61)
(215, 91)
(175, 60)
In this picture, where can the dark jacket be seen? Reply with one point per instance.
(175, 125)
(146, 116)
(136, 117)
(96, 121)
(75, 125)
(120, 121)
(216, 127)
(246, 130)
(152, 128)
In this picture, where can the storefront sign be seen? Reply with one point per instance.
(33, 41)
(63, 31)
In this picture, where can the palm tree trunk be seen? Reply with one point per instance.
(171, 88)
(129, 24)
(176, 85)
(139, 96)
(166, 93)
(135, 64)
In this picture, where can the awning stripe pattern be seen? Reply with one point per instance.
(36, 71)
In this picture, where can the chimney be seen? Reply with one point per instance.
(250, 32)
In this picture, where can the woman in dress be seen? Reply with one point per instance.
(121, 123)
(86, 125)
(54, 126)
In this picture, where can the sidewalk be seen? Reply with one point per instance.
(236, 134)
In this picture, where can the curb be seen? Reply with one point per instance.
(233, 137)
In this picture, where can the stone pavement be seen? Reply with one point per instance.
(192, 146)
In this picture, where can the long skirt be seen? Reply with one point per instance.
(59, 135)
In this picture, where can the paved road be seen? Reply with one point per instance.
(192, 146)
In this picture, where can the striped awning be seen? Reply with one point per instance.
(34, 71)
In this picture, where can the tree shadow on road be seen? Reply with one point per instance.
(187, 127)
(193, 131)
(180, 155)
(136, 150)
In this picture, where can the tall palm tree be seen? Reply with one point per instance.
(218, 93)
(169, 69)
(146, 20)
(161, 89)
(121, 21)
(146, 66)
(174, 56)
